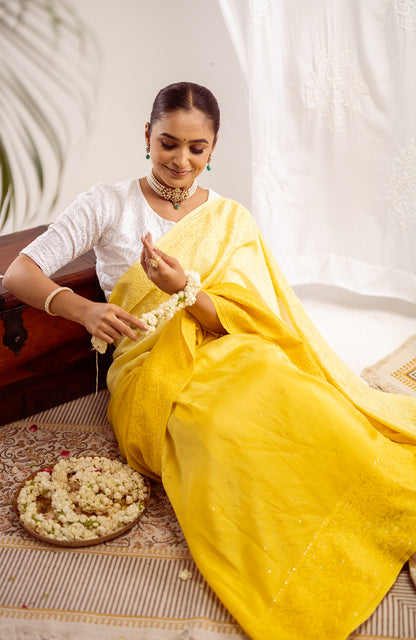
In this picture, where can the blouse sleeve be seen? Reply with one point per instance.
(76, 230)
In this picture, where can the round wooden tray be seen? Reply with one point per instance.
(78, 543)
(412, 568)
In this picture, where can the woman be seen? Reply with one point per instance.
(292, 480)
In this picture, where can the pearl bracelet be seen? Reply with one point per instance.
(51, 297)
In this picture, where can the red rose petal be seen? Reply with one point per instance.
(64, 453)
(47, 470)
(33, 427)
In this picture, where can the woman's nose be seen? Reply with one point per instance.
(181, 157)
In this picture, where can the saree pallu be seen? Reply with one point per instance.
(293, 481)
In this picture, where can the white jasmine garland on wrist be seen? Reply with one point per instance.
(166, 310)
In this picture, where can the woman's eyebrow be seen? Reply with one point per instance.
(167, 135)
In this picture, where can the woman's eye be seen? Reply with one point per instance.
(167, 146)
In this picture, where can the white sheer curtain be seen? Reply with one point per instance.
(332, 97)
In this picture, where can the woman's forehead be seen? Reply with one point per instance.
(184, 125)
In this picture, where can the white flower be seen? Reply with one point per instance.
(89, 497)
(166, 310)
(185, 575)
(150, 318)
(98, 344)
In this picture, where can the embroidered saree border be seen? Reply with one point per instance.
(379, 571)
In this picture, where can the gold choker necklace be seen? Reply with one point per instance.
(173, 195)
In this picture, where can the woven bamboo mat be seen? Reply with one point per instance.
(128, 588)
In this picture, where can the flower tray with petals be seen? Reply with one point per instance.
(81, 501)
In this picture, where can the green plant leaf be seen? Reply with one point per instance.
(49, 69)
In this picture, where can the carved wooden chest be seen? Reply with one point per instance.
(45, 360)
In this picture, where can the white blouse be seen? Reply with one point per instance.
(111, 218)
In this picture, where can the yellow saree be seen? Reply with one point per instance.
(292, 480)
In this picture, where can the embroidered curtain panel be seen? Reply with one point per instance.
(332, 96)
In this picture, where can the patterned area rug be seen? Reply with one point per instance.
(129, 588)
(396, 373)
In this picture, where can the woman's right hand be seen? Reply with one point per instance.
(103, 320)
(110, 322)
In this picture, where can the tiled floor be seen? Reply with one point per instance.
(361, 329)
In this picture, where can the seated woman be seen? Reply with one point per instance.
(293, 481)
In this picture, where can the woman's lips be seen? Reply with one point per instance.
(180, 174)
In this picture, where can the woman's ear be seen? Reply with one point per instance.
(147, 133)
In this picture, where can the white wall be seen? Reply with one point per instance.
(146, 45)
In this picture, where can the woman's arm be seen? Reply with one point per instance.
(204, 311)
(106, 321)
(170, 277)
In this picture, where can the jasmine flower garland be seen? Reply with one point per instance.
(166, 310)
(82, 498)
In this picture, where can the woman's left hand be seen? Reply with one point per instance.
(163, 270)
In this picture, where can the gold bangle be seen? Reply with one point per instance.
(51, 297)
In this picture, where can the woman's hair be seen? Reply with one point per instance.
(186, 95)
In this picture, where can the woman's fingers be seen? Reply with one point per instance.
(170, 260)
(110, 322)
(148, 259)
(129, 319)
(163, 270)
(124, 325)
(148, 245)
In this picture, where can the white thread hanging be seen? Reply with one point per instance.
(96, 373)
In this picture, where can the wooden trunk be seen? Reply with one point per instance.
(45, 360)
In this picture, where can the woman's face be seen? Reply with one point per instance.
(180, 144)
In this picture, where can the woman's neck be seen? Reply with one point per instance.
(164, 208)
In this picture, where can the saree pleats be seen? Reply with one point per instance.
(292, 480)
